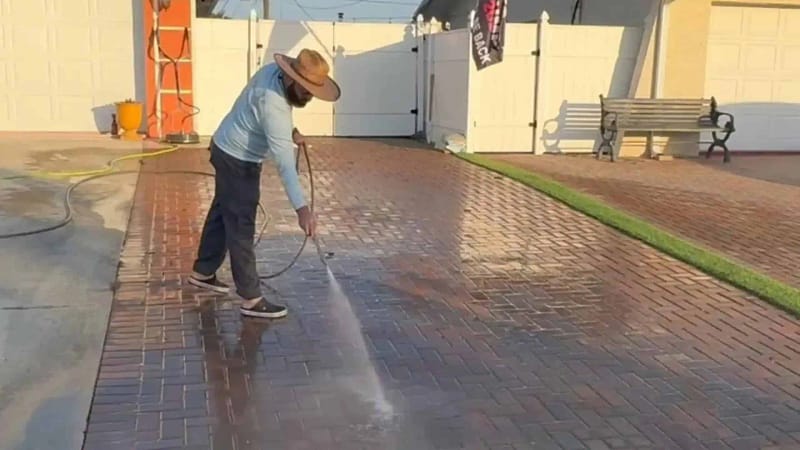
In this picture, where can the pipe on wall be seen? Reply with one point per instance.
(658, 52)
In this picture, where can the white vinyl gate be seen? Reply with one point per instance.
(375, 64)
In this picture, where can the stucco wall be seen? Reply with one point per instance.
(686, 44)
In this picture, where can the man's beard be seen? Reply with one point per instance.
(294, 99)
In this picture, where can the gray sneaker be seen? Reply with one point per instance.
(212, 284)
(264, 309)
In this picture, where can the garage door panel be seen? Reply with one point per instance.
(27, 10)
(74, 78)
(33, 111)
(59, 57)
(722, 89)
(756, 91)
(31, 77)
(791, 25)
(762, 22)
(72, 41)
(5, 110)
(785, 126)
(760, 58)
(724, 57)
(788, 91)
(28, 41)
(64, 116)
(760, 88)
(790, 58)
(5, 74)
(110, 11)
(72, 10)
(112, 73)
(726, 22)
(113, 40)
(5, 29)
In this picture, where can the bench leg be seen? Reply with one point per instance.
(721, 143)
(608, 139)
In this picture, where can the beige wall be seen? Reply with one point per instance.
(685, 48)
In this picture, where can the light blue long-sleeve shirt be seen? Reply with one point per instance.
(259, 127)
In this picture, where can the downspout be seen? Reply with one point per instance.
(656, 90)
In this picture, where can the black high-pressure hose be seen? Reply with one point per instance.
(68, 216)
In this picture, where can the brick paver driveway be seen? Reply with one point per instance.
(748, 210)
(492, 317)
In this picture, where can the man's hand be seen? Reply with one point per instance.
(307, 221)
(299, 140)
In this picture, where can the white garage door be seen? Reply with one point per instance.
(63, 63)
(754, 72)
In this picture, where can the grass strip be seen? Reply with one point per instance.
(710, 262)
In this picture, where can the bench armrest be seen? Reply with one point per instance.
(729, 123)
(607, 118)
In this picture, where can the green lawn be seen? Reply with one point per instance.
(710, 262)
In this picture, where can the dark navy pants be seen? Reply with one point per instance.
(231, 222)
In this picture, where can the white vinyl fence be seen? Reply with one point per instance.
(543, 97)
(405, 79)
(502, 96)
(578, 63)
(375, 64)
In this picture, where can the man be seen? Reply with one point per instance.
(258, 126)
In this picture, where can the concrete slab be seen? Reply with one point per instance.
(56, 287)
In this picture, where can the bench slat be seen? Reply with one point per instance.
(656, 108)
(616, 102)
(656, 100)
(626, 112)
(639, 119)
(671, 128)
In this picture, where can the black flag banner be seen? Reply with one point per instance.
(488, 32)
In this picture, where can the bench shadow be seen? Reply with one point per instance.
(575, 122)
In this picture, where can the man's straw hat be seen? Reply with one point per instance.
(311, 70)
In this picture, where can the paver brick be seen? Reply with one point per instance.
(493, 317)
(748, 210)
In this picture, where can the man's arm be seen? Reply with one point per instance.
(278, 130)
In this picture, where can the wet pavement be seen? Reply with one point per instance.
(490, 317)
(55, 288)
(749, 210)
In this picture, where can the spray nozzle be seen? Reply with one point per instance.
(323, 256)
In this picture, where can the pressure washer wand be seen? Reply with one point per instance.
(322, 256)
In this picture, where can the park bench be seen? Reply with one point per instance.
(663, 115)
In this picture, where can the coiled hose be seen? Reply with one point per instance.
(108, 171)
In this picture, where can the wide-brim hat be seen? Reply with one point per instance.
(311, 70)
